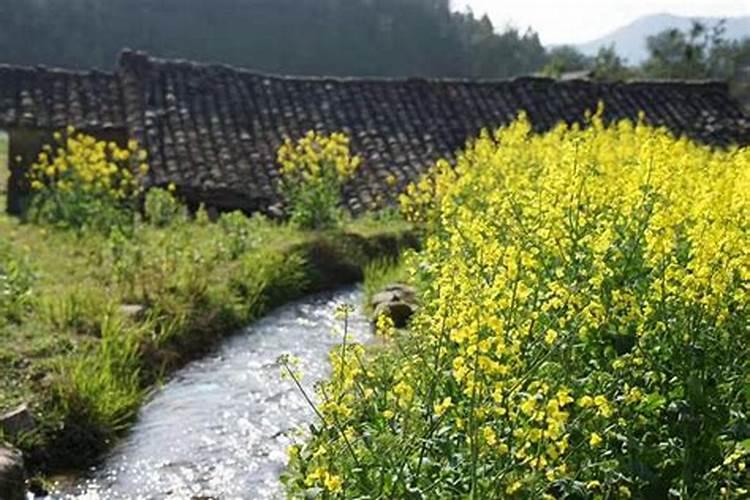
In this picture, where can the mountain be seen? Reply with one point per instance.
(630, 40)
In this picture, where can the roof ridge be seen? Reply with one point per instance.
(128, 56)
(42, 69)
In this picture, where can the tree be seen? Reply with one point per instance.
(608, 65)
(564, 59)
(332, 37)
(701, 53)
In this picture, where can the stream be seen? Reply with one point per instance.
(219, 428)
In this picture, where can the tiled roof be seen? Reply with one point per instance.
(213, 130)
(54, 98)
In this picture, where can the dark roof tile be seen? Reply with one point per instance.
(234, 120)
(213, 130)
(53, 98)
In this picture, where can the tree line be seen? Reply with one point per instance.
(702, 52)
(334, 37)
(421, 38)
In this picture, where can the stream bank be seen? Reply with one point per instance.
(70, 437)
(219, 428)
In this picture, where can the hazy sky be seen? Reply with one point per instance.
(571, 21)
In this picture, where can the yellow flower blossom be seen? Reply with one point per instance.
(629, 244)
(443, 406)
(333, 483)
(82, 169)
(550, 336)
(595, 440)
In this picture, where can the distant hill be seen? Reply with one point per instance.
(630, 40)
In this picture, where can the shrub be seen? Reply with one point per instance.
(161, 208)
(313, 171)
(239, 232)
(87, 184)
(584, 330)
(120, 260)
(267, 278)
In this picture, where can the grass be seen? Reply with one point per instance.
(382, 272)
(84, 364)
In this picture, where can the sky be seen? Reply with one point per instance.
(571, 21)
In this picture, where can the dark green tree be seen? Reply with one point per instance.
(336, 37)
(702, 52)
(566, 59)
(609, 66)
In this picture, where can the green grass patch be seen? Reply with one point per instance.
(382, 272)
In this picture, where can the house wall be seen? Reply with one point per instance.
(24, 146)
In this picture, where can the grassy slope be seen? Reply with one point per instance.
(60, 358)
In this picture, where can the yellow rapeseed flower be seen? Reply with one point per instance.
(595, 440)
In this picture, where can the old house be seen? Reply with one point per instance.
(213, 130)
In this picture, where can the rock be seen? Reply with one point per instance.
(276, 211)
(397, 301)
(384, 298)
(399, 312)
(135, 311)
(12, 475)
(396, 292)
(405, 292)
(16, 422)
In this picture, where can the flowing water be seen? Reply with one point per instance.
(220, 427)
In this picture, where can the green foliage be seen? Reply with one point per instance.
(608, 65)
(85, 184)
(82, 310)
(101, 391)
(162, 209)
(353, 37)
(240, 231)
(315, 206)
(125, 257)
(565, 59)
(267, 277)
(382, 272)
(16, 280)
(313, 171)
(702, 52)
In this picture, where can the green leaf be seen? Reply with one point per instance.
(653, 402)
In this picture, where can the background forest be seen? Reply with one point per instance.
(421, 38)
(336, 37)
